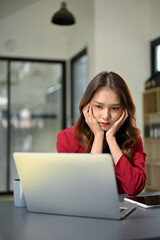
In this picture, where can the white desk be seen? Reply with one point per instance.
(19, 224)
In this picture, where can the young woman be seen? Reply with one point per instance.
(107, 125)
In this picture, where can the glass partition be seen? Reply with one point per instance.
(3, 125)
(79, 78)
(36, 111)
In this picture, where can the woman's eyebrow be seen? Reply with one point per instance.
(117, 104)
(98, 102)
(114, 104)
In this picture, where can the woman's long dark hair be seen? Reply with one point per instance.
(128, 133)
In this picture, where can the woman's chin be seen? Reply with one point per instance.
(105, 128)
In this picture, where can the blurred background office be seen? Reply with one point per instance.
(44, 67)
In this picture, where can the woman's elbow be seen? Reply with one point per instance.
(138, 187)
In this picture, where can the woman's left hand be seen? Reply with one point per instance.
(116, 126)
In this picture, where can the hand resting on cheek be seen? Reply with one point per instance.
(91, 120)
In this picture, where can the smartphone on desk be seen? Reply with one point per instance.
(149, 201)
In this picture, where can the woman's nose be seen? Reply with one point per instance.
(106, 114)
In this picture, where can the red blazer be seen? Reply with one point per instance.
(131, 177)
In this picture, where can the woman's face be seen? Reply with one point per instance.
(107, 107)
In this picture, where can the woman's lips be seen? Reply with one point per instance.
(104, 124)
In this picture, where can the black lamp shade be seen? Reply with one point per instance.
(63, 16)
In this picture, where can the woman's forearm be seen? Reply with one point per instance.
(97, 146)
(115, 150)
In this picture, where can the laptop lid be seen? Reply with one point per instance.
(80, 184)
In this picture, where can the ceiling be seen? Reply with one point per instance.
(8, 7)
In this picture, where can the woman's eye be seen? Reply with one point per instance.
(115, 108)
(98, 106)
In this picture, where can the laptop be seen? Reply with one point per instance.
(76, 184)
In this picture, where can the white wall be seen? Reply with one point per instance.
(155, 19)
(34, 35)
(82, 34)
(121, 43)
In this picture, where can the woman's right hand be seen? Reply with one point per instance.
(92, 121)
(97, 146)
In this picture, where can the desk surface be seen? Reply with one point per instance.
(18, 223)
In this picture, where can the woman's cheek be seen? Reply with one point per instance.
(95, 113)
(117, 116)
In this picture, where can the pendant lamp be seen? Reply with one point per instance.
(63, 16)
